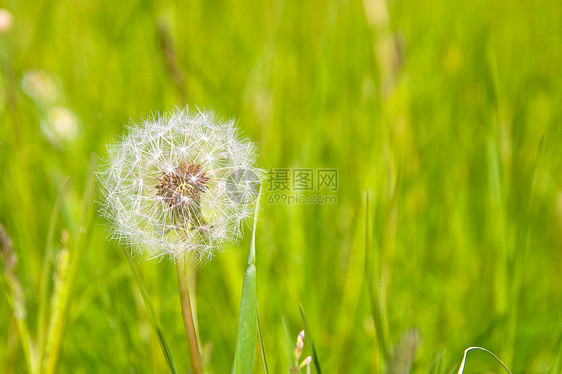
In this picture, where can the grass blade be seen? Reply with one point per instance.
(309, 337)
(58, 325)
(377, 306)
(151, 314)
(15, 295)
(290, 345)
(48, 260)
(265, 370)
(557, 366)
(188, 313)
(247, 321)
(463, 362)
(437, 364)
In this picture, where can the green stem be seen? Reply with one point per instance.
(48, 260)
(151, 313)
(188, 318)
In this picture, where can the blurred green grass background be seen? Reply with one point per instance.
(440, 117)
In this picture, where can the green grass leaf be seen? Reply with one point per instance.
(309, 337)
(377, 303)
(48, 260)
(247, 321)
(265, 370)
(57, 326)
(289, 344)
(557, 365)
(463, 362)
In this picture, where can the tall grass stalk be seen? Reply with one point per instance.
(377, 303)
(58, 324)
(557, 365)
(151, 313)
(48, 260)
(291, 359)
(187, 315)
(262, 346)
(15, 296)
(313, 347)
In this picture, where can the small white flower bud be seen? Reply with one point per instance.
(300, 345)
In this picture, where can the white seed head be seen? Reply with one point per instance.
(173, 186)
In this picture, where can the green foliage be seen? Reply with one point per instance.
(444, 113)
(152, 315)
(312, 348)
(248, 318)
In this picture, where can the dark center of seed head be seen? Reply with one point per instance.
(181, 187)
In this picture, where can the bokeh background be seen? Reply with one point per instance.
(442, 118)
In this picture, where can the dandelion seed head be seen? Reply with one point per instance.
(166, 189)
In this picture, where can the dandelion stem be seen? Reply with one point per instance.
(188, 318)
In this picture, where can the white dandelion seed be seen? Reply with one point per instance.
(180, 185)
